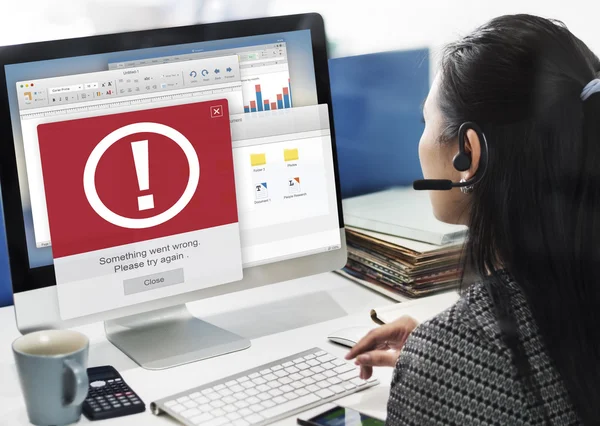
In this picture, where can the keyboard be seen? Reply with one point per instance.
(268, 393)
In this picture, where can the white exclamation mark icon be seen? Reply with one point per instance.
(140, 158)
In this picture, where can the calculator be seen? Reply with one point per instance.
(109, 396)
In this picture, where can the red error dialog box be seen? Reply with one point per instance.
(141, 205)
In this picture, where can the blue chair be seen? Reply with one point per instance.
(377, 101)
(5, 284)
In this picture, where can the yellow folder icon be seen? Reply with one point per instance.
(258, 159)
(290, 154)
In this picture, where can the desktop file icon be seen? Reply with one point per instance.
(258, 159)
(294, 185)
(290, 154)
(260, 191)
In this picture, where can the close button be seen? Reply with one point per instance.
(153, 281)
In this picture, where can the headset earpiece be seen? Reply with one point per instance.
(462, 161)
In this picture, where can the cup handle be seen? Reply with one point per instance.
(81, 382)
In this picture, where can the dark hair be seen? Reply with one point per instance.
(537, 210)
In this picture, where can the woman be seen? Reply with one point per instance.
(522, 346)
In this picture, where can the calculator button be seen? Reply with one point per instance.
(111, 381)
(117, 405)
(98, 384)
(138, 402)
(126, 404)
(118, 380)
(97, 410)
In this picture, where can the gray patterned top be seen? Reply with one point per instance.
(456, 370)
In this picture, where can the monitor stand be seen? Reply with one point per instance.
(170, 337)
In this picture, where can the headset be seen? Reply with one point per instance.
(461, 162)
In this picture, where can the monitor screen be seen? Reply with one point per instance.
(137, 166)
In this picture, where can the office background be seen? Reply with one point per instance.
(380, 67)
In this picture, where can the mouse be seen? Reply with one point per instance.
(349, 336)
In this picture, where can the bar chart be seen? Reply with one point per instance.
(267, 92)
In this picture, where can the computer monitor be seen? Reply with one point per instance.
(144, 170)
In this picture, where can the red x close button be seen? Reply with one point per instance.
(216, 111)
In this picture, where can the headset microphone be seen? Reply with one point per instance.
(461, 162)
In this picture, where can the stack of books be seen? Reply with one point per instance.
(397, 247)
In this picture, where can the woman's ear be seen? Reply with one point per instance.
(473, 148)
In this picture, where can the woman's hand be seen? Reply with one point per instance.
(381, 346)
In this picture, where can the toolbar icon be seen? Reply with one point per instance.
(193, 74)
(204, 73)
(217, 70)
(228, 69)
(28, 96)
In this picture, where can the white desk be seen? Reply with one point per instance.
(286, 318)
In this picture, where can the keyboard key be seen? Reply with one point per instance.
(281, 373)
(349, 375)
(320, 353)
(254, 418)
(256, 408)
(240, 396)
(218, 413)
(194, 395)
(297, 385)
(216, 422)
(312, 362)
(217, 404)
(329, 373)
(313, 388)
(229, 409)
(229, 400)
(188, 414)
(296, 376)
(233, 416)
(263, 388)
(245, 412)
(236, 388)
(357, 381)
(169, 404)
(231, 383)
(274, 384)
(248, 385)
(337, 389)
(302, 366)
(291, 395)
(302, 392)
(287, 364)
(253, 400)
(326, 358)
(325, 393)
(263, 396)
(178, 408)
(348, 386)
(201, 418)
(269, 377)
(291, 370)
(241, 404)
(324, 384)
(190, 404)
(344, 368)
(225, 392)
(213, 396)
(243, 379)
(306, 373)
(252, 392)
(259, 381)
(317, 369)
(288, 406)
(254, 375)
(334, 380)
(337, 362)
(285, 380)
(286, 388)
(279, 400)
(268, 404)
(180, 400)
(319, 377)
(220, 387)
(275, 392)
(265, 371)
(276, 368)
(298, 360)
(310, 356)
(205, 408)
(207, 391)
(328, 366)
(241, 422)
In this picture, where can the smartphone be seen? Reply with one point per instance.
(341, 416)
